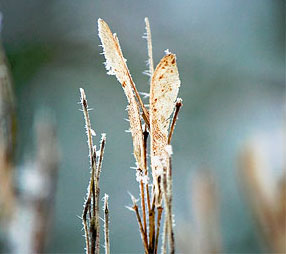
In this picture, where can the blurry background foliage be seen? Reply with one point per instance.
(231, 59)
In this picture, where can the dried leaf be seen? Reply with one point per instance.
(116, 65)
(164, 89)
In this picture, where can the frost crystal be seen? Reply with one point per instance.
(141, 177)
(169, 150)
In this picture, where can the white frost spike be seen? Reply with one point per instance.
(145, 95)
(167, 52)
(141, 177)
(129, 208)
(98, 153)
(116, 64)
(147, 73)
(92, 132)
(134, 200)
(156, 161)
(103, 136)
(164, 89)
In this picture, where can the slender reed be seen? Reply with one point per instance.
(106, 225)
(91, 206)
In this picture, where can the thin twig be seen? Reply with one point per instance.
(159, 216)
(92, 230)
(152, 227)
(92, 202)
(170, 197)
(101, 149)
(93, 190)
(143, 235)
(142, 192)
(166, 231)
(145, 136)
(145, 139)
(167, 193)
(106, 225)
(148, 197)
(93, 186)
(84, 221)
(179, 104)
(145, 113)
(88, 129)
(164, 237)
(99, 166)
(91, 193)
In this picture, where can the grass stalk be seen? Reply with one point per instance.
(179, 104)
(106, 225)
(143, 235)
(152, 227)
(91, 206)
(159, 216)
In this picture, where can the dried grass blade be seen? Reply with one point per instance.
(164, 89)
(116, 63)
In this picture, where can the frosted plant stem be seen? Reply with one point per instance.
(159, 216)
(106, 225)
(91, 206)
(142, 190)
(84, 221)
(149, 46)
(164, 237)
(145, 138)
(143, 206)
(167, 192)
(143, 235)
(92, 165)
(170, 199)
(179, 104)
(145, 113)
(97, 177)
(152, 227)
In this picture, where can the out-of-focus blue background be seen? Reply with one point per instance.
(230, 56)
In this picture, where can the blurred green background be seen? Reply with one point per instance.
(231, 59)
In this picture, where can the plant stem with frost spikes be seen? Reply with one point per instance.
(106, 225)
(167, 193)
(91, 205)
(179, 104)
(143, 235)
(159, 215)
(152, 227)
(143, 205)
